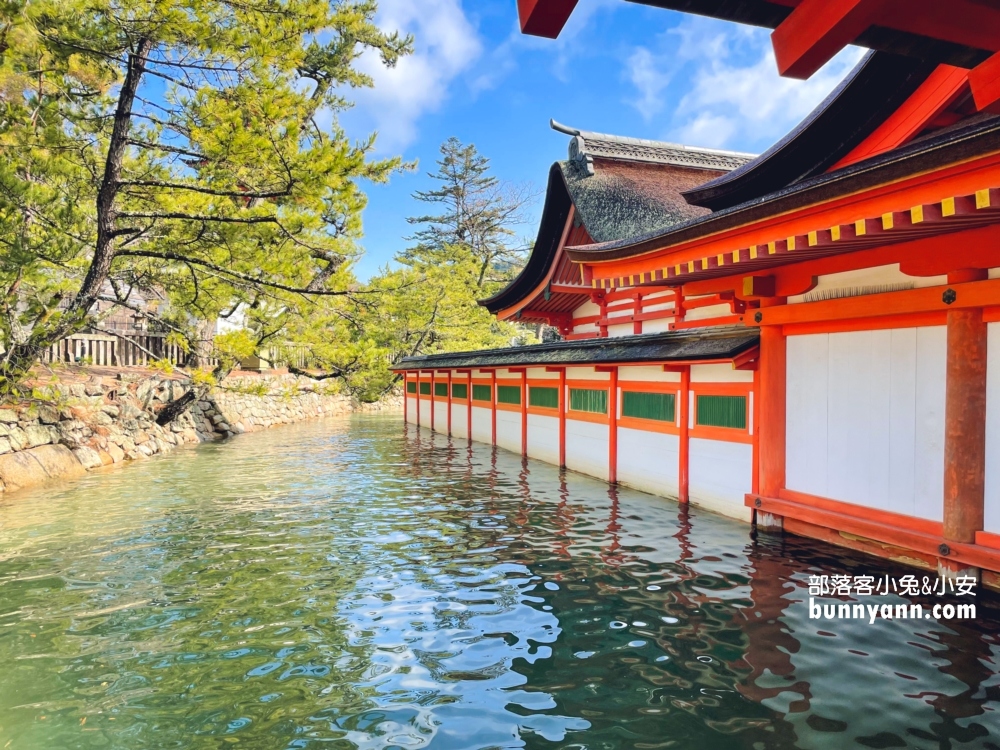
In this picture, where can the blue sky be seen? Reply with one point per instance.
(618, 67)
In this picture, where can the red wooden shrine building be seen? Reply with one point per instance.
(812, 335)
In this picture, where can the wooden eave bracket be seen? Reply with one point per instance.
(747, 360)
(817, 30)
(984, 80)
(545, 18)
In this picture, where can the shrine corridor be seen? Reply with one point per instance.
(361, 584)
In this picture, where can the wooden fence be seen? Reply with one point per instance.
(116, 351)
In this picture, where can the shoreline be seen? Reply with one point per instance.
(87, 419)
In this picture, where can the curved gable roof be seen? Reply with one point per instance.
(875, 89)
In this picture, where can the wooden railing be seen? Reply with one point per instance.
(116, 351)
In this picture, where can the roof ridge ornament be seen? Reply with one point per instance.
(585, 145)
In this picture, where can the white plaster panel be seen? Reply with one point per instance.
(620, 330)
(648, 461)
(587, 448)
(712, 311)
(425, 413)
(720, 373)
(539, 373)
(587, 309)
(585, 373)
(459, 421)
(656, 326)
(482, 425)
(865, 418)
(441, 417)
(509, 430)
(720, 474)
(648, 374)
(411, 409)
(993, 427)
(868, 280)
(543, 438)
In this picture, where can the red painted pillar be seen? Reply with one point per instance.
(613, 428)
(637, 310)
(418, 398)
(406, 398)
(684, 437)
(449, 403)
(432, 400)
(773, 371)
(468, 406)
(755, 421)
(562, 418)
(493, 406)
(965, 419)
(524, 412)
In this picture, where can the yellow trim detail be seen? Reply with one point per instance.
(704, 264)
(983, 198)
(790, 243)
(690, 266)
(916, 214)
(835, 233)
(736, 256)
(859, 227)
(753, 252)
(770, 248)
(813, 238)
(887, 221)
(948, 207)
(722, 259)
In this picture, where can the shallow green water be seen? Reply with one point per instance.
(347, 584)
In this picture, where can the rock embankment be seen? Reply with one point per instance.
(85, 421)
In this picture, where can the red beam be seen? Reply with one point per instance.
(817, 30)
(544, 17)
(985, 82)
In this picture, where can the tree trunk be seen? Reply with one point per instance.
(175, 408)
(23, 356)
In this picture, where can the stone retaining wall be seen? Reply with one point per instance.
(87, 421)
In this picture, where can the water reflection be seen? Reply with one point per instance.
(361, 584)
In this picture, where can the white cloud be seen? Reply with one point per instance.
(732, 95)
(645, 74)
(446, 44)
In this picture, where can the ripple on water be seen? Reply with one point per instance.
(345, 582)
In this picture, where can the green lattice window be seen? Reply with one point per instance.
(587, 399)
(441, 389)
(658, 406)
(459, 390)
(543, 396)
(482, 393)
(411, 387)
(425, 389)
(722, 411)
(509, 394)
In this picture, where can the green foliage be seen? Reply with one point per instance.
(189, 148)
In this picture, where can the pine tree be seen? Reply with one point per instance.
(479, 213)
(190, 146)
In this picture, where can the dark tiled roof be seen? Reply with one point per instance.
(619, 201)
(677, 346)
(588, 145)
(620, 188)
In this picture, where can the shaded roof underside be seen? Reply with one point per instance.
(720, 344)
(770, 14)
